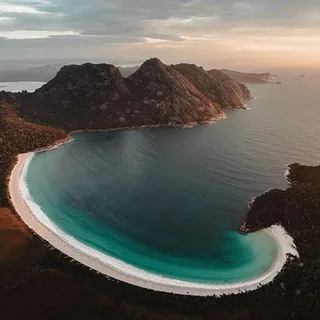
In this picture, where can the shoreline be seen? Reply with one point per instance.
(187, 125)
(55, 145)
(37, 221)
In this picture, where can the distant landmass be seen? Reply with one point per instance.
(128, 71)
(39, 74)
(47, 72)
(248, 77)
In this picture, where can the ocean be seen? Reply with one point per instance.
(29, 86)
(171, 200)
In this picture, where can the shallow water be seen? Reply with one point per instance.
(171, 200)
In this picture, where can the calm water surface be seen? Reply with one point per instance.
(29, 86)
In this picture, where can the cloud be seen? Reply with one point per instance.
(236, 25)
(41, 34)
(16, 8)
(127, 17)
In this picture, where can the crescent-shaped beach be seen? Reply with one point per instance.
(37, 220)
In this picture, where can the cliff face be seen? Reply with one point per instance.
(96, 96)
(232, 93)
(218, 87)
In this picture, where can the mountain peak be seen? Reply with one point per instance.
(152, 69)
(87, 69)
(82, 78)
(153, 65)
(153, 62)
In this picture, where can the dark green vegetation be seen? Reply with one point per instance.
(19, 136)
(297, 209)
(44, 284)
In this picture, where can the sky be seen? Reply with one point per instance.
(247, 34)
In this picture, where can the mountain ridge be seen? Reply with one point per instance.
(97, 96)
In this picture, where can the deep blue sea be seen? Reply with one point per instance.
(171, 200)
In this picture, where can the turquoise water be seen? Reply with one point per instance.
(170, 200)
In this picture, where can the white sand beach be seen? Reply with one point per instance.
(36, 219)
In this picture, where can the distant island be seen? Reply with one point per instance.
(248, 78)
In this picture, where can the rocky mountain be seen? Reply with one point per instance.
(248, 78)
(169, 96)
(97, 96)
(225, 91)
(80, 96)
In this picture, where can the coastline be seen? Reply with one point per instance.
(243, 227)
(287, 174)
(55, 145)
(187, 125)
(33, 216)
